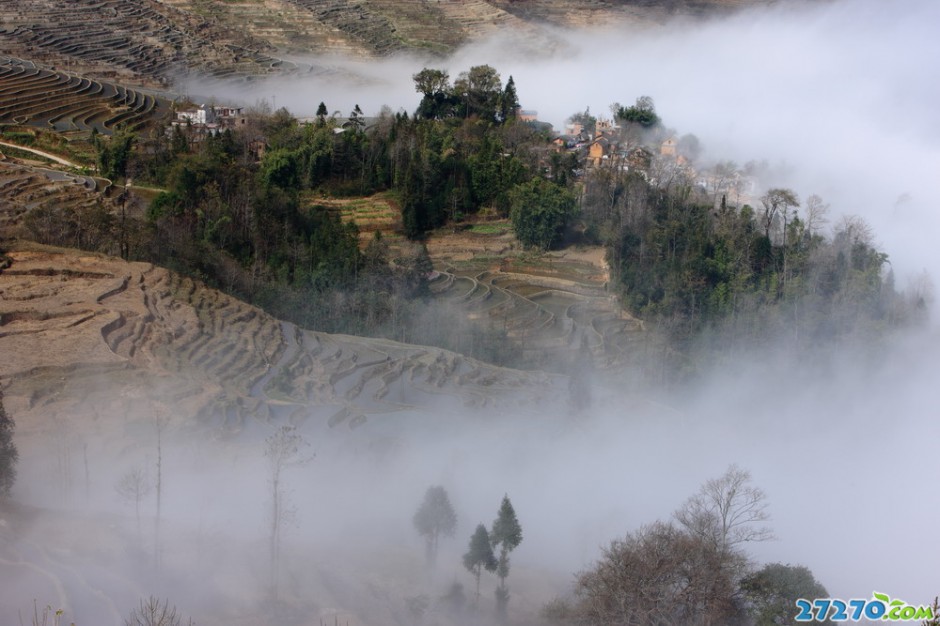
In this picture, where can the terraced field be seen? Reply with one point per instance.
(154, 41)
(51, 100)
(157, 337)
(24, 189)
(370, 214)
(547, 304)
(551, 305)
(143, 40)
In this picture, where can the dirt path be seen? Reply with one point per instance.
(42, 153)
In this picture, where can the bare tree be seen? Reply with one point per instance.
(727, 511)
(153, 612)
(854, 230)
(133, 487)
(658, 575)
(777, 203)
(160, 420)
(283, 450)
(816, 211)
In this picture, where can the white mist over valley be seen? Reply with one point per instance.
(835, 98)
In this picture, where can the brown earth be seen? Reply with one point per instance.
(87, 334)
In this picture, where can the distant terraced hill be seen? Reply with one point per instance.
(157, 42)
(66, 103)
(25, 189)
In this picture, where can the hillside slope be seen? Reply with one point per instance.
(157, 42)
(84, 334)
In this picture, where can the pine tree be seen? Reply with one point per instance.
(8, 453)
(509, 101)
(480, 556)
(506, 535)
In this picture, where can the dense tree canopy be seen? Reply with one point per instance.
(540, 210)
(774, 589)
(642, 113)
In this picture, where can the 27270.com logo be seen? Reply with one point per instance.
(880, 607)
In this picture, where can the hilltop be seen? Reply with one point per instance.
(157, 42)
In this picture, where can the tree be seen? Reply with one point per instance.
(539, 211)
(437, 101)
(642, 113)
(480, 90)
(773, 590)
(8, 452)
(133, 487)
(355, 119)
(480, 556)
(816, 211)
(160, 420)
(283, 450)
(505, 535)
(727, 511)
(153, 612)
(509, 101)
(587, 121)
(660, 574)
(322, 114)
(435, 517)
(686, 573)
(114, 154)
(777, 202)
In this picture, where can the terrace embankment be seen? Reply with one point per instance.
(85, 334)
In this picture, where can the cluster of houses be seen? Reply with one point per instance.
(607, 145)
(196, 122)
(654, 155)
(610, 145)
(209, 119)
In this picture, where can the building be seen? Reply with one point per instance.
(527, 115)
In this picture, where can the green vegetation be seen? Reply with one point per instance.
(540, 211)
(484, 228)
(642, 113)
(718, 278)
(268, 213)
(774, 589)
(244, 215)
(506, 535)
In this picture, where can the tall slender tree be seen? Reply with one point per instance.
(8, 452)
(506, 536)
(283, 450)
(480, 556)
(509, 101)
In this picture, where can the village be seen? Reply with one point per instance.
(657, 154)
